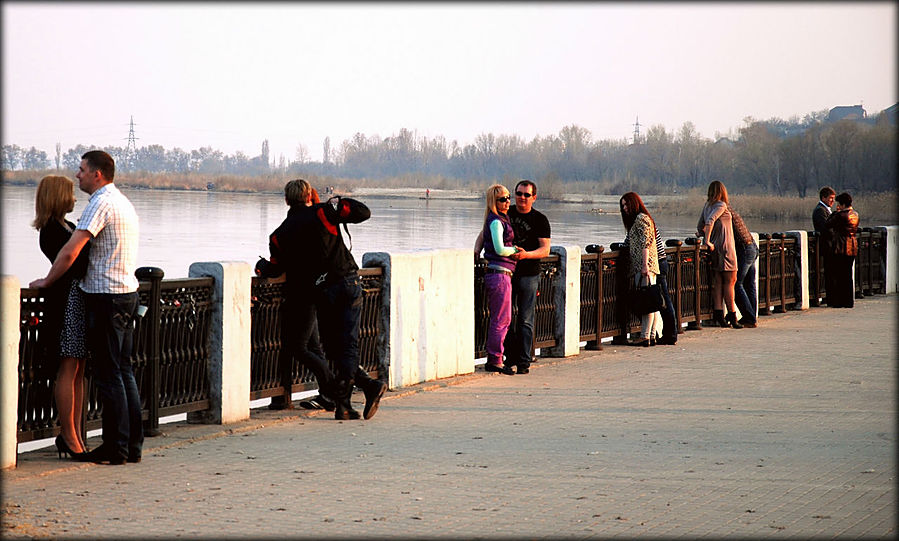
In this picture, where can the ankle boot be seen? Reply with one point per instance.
(732, 319)
(344, 411)
(718, 318)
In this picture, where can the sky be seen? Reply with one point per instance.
(230, 75)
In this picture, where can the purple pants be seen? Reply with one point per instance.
(499, 302)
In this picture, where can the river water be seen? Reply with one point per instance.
(178, 228)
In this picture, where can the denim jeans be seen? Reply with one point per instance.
(745, 293)
(669, 322)
(339, 306)
(110, 329)
(498, 287)
(520, 338)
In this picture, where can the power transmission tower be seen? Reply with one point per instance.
(637, 131)
(131, 147)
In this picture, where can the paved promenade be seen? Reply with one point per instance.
(788, 430)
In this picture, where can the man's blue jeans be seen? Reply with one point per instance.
(110, 329)
(520, 339)
(745, 291)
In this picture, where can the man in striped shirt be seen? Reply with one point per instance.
(110, 224)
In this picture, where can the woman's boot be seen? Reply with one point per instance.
(732, 319)
(718, 318)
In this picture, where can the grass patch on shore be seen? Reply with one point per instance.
(872, 207)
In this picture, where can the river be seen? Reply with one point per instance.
(178, 228)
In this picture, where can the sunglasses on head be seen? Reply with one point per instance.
(523, 194)
(503, 199)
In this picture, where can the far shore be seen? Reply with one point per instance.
(874, 207)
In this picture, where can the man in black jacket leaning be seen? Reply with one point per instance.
(322, 278)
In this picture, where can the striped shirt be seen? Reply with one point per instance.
(112, 222)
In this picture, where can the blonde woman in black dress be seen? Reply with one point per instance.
(64, 325)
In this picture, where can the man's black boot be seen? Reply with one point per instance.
(374, 390)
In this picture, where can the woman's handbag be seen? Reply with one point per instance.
(647, 299)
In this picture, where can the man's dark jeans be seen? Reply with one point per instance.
(745, 291)
(299, 340)
(669, 322)
(110, 329)
(339, 306)
(519, 341)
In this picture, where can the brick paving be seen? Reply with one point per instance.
(787, 430)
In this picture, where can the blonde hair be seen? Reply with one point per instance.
(717, 192)
(497, 190)
(55, 197)
(297, 192)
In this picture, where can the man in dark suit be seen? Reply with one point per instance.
(819, 218)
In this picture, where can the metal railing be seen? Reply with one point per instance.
(170, 357)
(544, 311)
(267, 377)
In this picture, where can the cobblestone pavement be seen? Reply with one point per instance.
(787, 430)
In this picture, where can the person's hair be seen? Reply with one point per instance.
(493, 192)
(55, 197)
(826, 191)
(296, 192)
(634, 207)
(526, 182)
(845, 199)
(717, 192)
(100, 161)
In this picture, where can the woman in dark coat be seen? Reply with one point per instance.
(63, 326)
(844, 246)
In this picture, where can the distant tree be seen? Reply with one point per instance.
(326, 150)
(58, 155)
(302, 153)
(12, 157)
(838, 142)
(177, 160)
(35, 159)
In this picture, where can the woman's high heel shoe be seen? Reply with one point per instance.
(732, 320)
(63, 449)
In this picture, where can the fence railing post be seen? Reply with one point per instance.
(11, 304)
(678, 269)
(597, 249)
(151, 320)
(696, 324)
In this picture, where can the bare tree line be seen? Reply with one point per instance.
(773, 156)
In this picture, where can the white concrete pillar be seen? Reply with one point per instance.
(891, 275)
(568, 303)
(229, 341)
(801, 237)
(427, 313)
(10, 303)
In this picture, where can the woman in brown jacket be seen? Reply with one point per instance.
(844, 224)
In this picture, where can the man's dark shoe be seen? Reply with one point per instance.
(345, 412)
(667, 341)
(748, 324)
(101, 455)
(522, 370)
(318, 402)
(134, 458)
(373, 393)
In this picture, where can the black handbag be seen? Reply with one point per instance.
(647, 299)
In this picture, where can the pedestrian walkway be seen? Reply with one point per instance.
(787, 430)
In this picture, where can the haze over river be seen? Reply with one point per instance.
(178, 228)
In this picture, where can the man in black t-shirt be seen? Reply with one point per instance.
(532, 232)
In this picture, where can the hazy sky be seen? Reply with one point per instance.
(230, 75)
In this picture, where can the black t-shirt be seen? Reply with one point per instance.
(529, 229)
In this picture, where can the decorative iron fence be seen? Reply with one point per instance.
(544, 311)
(267, 377)
(170, 357)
